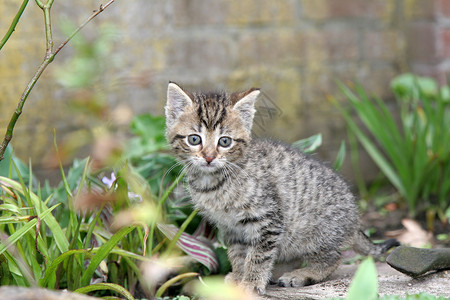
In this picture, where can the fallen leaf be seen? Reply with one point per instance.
(412, 235)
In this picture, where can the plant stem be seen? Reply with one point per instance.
(49, 56)
(171, 281)
(13, 24)
(48, 31)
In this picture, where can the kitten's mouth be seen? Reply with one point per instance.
(209, 167)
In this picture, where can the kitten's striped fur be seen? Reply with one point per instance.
(274, 203)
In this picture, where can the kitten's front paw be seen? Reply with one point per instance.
(291, 280)
(233, 278)
(249, 287)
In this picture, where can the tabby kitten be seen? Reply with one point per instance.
(274, 204)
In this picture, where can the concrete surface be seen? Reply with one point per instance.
(390, 282)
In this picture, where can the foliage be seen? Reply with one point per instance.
(312, 143)
(6, 169)
(147, 151)
(37, 249)
(365, 283)
(415, 154)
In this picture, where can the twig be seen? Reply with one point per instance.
(13, 24)
(96, 13)
(49, 56)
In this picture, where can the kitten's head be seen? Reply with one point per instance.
(208, 130)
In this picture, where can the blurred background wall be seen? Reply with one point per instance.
(294, 50)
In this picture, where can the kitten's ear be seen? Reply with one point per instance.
(177, 102)
(245, 105)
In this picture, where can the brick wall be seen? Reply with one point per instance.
(293, 49)
(428, 38)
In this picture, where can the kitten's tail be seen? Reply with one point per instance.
(364, 246)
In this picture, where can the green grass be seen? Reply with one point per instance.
(414, 152)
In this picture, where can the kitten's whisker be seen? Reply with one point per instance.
(233, 173)
(178, 163)
(187, 168)
(236, 169)
(225, 172)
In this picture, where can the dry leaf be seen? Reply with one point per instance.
(412, 235)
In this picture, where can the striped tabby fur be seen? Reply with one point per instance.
(275, 204)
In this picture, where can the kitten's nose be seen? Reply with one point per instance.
(209, 159)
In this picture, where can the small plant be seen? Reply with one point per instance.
(47, 244)
(415, 154)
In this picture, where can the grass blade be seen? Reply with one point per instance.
(105, 286)
(103, 252)
(53, 225)
(171, 281)
(51, 269)
(340, 157)
(13, 238)
(372, 150)
(309, 144)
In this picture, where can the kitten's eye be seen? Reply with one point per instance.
(194, 139)
(224, 141)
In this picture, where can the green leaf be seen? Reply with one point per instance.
(53, 225)
(310, 144)
(172, 281)
(410, 86)
(105, 286)
(445, 93)
(150, 131)
(340, 157)
(13, 219)
(103, 252)
(10, 207)
(370, 146)
(148, 126)
(51, 269)
(364, 285)
(24, 229)
(5, 166)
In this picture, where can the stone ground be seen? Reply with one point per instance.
(390, 282)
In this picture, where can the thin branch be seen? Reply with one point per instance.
(48, 31)
(96, 13)
(48, 59)
(13, 25)
(40, 4)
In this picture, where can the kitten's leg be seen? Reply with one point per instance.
(318, 268)
(236, 255)
(259, 264)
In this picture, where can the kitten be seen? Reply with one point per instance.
(273, 203)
